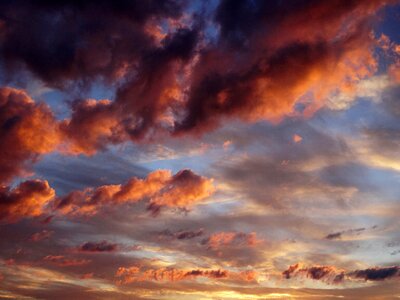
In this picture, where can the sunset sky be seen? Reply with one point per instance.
(220, 149)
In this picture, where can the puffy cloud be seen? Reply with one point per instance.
(160, 189)
(143, 103)
(276, 60)
(168, 84)
(184, 189)
(27, 129)
(92, 126)
(28, 199)
(135, 274)
(33, 198)
(118, 47)
(102, 246)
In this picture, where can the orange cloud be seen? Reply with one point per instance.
(62, 261)
(170, 86)
(297, 138)
(181, 90)
(87, 276)
(42, 235)
(160, 189)
(92, 126)
(286, 66)
(221, 239)
(184, 189)
(33, 198)
(392, 53)
(27, 129)
(28, 199)
(135, 274)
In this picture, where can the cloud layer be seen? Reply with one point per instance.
(229, 149)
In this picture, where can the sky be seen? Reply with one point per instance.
(182, 149)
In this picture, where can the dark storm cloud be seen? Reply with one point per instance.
(173, 80)
(71, 41)
(266, 54)
(70, 44)
(169, 76)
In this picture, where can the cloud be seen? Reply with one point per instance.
(160, 189)
(226, 239)
(34, 198)
(270, 74)
(27, 130)
(182, 234)
(41, 235)
(326, 273)
(287, 173)
(87, 276)
(333, 236)
(102, 246)
(297, 138)
(331, 274)
(377, 273)
(92, 126)
(179, 80)
(28, 199)
(62, 261)
(135, 274)
(115, 41)
(338, 235)
(183, 189)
